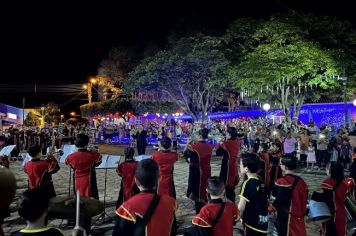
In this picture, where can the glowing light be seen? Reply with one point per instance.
(93, 81)
(266, 106)
(85, 86)
(12, 116)
(354, 102)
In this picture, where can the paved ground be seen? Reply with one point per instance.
(184, 213)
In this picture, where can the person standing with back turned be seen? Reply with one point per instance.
(198, 155)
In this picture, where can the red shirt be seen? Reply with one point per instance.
(165, 161)
(267, 168)
(224, 227)
(204, 152)
(162, 218)
(232, 148)
(83, 163)
(127, 171)
(339, 198)
(37, 170)
(296, 209)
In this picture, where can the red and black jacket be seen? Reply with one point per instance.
(229, 172)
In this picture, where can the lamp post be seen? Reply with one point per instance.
(88, 86)
(42, 119)
(266, 107)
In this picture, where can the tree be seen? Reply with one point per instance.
(190, 74)
(113, 70)
(32, 120)
(284, 66)
(50, 113)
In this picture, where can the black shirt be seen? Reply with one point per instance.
(39, 232)
(255, 215)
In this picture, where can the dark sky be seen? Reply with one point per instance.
(58, 42)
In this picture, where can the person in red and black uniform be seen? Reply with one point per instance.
(265, 168)
(219, 216)
(290, 200)
(229, 173)
(126, 170)
(84, 162)
(253, 199)
(199, 156)
(165, 159)
(275, 170)
(130, 215)
(353, 170)
(334, 193)
(33, 208)
(40, 171)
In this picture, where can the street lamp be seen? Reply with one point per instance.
(62, 116)
(72, 113)
(266, 107)
(89, 87)
(42, 114)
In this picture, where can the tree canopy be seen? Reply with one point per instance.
(189, 74)
(284, 66)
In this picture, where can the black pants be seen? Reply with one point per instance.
(230, 193)
(141, 149)
(303, 158)
(322, 157)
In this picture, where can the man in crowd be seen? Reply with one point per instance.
(289, 145)
(141, 137)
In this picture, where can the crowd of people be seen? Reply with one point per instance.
(264, 155)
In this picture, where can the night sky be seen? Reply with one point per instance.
(55, 42)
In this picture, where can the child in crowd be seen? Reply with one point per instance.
(334, 157)
(253, 199)
(345, 153)
(33, 208)
(311, 159)
(126, 170)
(218, 216)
